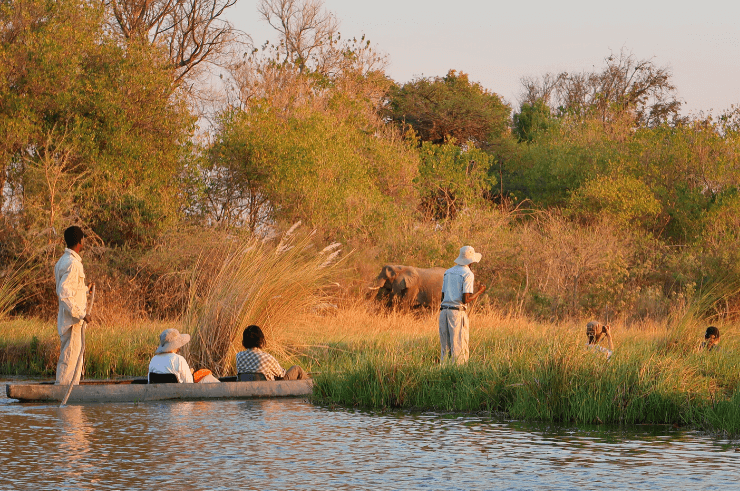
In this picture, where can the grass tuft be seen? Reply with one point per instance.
(254, 283)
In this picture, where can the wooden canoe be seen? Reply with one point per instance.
(136, 392)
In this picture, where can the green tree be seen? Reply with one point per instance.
(450, 107)
(452, 178)
(324, 164)
(532, 119)
(100, 118)
(628, 201)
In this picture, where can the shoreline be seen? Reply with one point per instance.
(523, 369)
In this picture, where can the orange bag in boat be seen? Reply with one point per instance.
(198, 376)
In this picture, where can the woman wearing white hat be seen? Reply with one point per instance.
(166, 360)
(457, 293)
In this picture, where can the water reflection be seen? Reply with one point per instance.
(270, 444)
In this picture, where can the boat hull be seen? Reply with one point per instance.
(123, 392)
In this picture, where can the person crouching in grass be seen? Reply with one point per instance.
(595, 332)
(711, 339)
(254, 360)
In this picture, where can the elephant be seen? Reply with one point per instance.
(408, 286)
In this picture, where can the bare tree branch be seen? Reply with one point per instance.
(625, 84)
(191, 31)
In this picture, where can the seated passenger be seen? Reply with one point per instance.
(166, 360)
(711, 339)
(595, 331)
(254, 360)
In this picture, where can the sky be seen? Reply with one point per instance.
(498, 43)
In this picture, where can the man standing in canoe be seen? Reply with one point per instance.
(457, 293)
(72, 294)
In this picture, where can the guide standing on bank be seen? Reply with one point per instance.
(457, 294)
(72, 294)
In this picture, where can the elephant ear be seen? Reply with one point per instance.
(408, 281)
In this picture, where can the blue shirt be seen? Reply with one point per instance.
(457, 280)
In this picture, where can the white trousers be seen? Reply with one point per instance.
(454, 333)
(71, 344)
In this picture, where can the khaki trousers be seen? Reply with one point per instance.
(295, 373)
(71, 344)
(454, 333)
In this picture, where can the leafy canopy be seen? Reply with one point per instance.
(449, 107)
(98, 116)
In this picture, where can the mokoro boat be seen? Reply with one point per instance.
(131, 391)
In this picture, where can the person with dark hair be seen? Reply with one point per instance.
(72, 293)
(254, 360)
(595, 332)
(711, 339)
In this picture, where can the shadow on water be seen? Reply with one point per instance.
(292, 444)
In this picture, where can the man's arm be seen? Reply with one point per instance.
(469, 297)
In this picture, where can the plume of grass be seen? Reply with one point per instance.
(12, 282)
(253, 283)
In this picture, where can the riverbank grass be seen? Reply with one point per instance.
(31, 347)
(520, 368)
(535, 371)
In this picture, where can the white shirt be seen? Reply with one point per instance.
(171, 363)
(457, 280)
(71, 290)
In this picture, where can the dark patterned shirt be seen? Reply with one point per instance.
(257, 361)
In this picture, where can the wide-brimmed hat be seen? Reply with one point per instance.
(171, 339)
(467, 256)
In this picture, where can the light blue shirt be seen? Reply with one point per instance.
(457, 280)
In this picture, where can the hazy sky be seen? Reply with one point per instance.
(498, 43)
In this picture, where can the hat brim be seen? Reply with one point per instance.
(177, 343)
(464, 261)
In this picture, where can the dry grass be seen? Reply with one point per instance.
(361, 322)
(31, 347)
(253, 283)
(12, 282)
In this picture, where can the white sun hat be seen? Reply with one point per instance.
(467, 256)
(171, 339)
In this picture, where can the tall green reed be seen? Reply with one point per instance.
(531, 373)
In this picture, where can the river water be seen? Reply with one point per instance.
(293, 444)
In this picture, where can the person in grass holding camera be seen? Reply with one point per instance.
(711, 340)
(595, 332)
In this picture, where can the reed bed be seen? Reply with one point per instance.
(531, 371)
(254, 283)
(12, 282)
(31, 347)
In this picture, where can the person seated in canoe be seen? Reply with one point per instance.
(711, 340)
(167, 361)
(167, 366)
(255, 361)
(595, 332)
